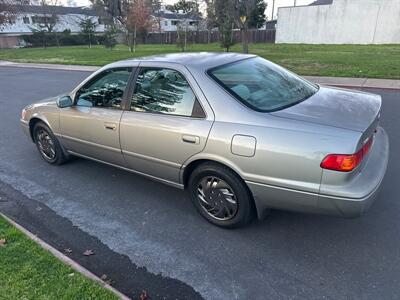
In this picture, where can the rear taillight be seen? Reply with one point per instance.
(346, 162)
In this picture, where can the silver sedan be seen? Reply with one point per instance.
(240, 133)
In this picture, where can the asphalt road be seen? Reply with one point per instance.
(140, 223)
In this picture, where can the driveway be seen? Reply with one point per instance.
(148, 236)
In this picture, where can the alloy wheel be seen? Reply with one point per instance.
(46, 144)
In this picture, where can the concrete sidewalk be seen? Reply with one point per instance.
(356, 82)
(332, 81)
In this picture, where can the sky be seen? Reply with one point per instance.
(278, 3)
(283, 3)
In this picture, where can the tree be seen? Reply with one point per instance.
(110, 36)
(7, 12)
(112, 10)
(88, 29)
(225, 22)
(226, 34)
(155, 11)
(134, 16)
(184, 6)
(218, 15)
(182, 34)
(137, 21)
(242, 10)
(257, 15)
(211, 19)
(46, 22)
(191, 11)
(244, 14)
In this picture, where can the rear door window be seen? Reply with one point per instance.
(162, 90)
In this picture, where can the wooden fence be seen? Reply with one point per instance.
(204, 37)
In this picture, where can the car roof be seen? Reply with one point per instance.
(192, 60)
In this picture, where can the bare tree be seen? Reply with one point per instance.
(182, 32)
(197, 16)
(112, 11)
(138, 20)
(242, 10)
(47, 21)
(155, 7)
(230, 14)
(191, 9)
(49, 16)
(211, 18)
(7, 12)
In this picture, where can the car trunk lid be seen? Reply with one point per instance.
(353, 110)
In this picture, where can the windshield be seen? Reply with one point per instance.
(262, 85)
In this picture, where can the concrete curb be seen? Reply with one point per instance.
(4, 63)
(343, 82)
(74, 265)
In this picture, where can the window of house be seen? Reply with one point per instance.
(43, 19)
(163, 91)
(106, 90)
(175, 22)
(166, 23)
(26, 20)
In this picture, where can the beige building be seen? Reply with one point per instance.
(341, 22)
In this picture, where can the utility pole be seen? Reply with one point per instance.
(273, 9)
(295, 3)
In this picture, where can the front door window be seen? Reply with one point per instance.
(106, 90)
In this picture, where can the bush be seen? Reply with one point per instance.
(68, 39)
(37, 39)
(65, 38)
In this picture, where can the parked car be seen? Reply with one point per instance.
(241, 134)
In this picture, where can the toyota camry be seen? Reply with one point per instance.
(241, 134)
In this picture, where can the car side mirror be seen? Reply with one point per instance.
(64, 101)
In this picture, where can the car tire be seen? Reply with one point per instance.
(48, 144)
(220, 195)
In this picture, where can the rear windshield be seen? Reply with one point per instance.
(262, 85)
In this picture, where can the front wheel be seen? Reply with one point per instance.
(220, 195)
(48, 145)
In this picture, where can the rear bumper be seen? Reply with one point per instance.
(347, 207)
(349, 200)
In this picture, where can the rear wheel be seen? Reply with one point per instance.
(220, 195)
(48, 145)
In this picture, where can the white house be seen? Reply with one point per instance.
(341, 22)
(30, 16)
(170, 21)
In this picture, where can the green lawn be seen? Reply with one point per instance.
(373, 61)
(27, 271)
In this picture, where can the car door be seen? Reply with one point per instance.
(168, 120)
(91, 126)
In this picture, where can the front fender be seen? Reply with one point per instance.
(47, 113)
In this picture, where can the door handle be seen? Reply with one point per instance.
(192, 139)
(110, 126)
